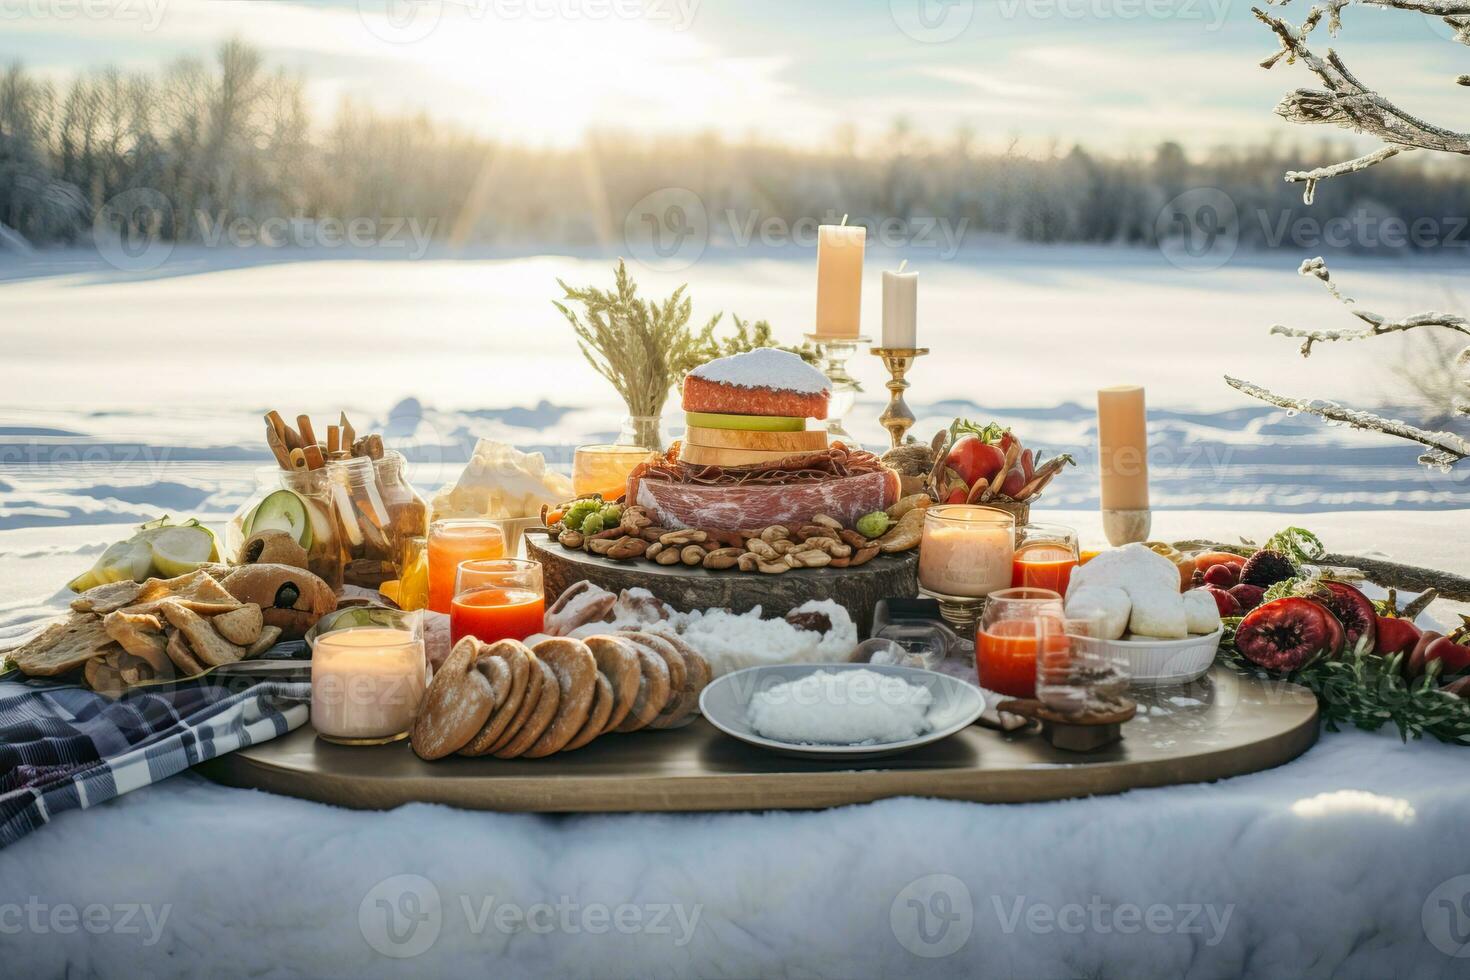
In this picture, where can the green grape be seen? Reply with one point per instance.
(593, 524)
(873, 525)
(577, 513)
(611, 514)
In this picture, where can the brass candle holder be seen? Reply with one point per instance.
(897, 418)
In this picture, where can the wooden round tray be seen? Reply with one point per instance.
(855, 589)
(1222, 725)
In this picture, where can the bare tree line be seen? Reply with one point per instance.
(231, 138)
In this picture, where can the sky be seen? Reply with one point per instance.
(1112, 74)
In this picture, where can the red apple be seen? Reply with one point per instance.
(1454, 658)
(1395, 635)
(975, 460)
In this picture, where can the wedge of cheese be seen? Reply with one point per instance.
(715, 456)
(764, 442)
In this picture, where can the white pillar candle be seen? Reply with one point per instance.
(840, 280)
(366, 684)
(900, 309)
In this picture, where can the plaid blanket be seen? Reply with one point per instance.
(64, 748)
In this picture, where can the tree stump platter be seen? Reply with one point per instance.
(686, 589)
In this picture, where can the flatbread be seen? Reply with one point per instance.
(63, 646)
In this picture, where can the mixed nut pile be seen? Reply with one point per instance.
(628, 533)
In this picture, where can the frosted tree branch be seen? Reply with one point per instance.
(1378, 325)
(1443, 449)
(1347, 102)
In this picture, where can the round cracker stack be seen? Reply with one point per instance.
(511, 701)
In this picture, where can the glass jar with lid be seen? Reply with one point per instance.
(377, 509)
(298, 502)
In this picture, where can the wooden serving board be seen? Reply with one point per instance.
(855, 589)
(1223, 725)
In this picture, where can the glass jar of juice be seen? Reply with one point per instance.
(1045, 557)
(1013, 633)
(454, 542)
(604, 470)
(497, 599)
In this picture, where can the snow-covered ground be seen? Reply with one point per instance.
(127, 395)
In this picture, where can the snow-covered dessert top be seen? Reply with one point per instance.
(765, 367)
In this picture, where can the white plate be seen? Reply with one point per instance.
(1158, 663)
(957, 705)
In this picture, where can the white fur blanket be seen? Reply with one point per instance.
(1343, 863)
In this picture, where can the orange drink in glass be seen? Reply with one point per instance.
(1011, 637)
(604, 470)
(454, 542)
(1045, 557)
(497, 599)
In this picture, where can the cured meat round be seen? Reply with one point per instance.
(842, 483)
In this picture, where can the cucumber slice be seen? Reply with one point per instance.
(746, 423)
(283, 510)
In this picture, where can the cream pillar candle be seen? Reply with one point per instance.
(1122, 448)
(900, 309)
(366, 684)
(840, 280)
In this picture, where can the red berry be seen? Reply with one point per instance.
(1223, 576)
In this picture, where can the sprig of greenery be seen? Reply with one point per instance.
(747, 337)
(1298, 544)
(989, 433)
(636, 345)
(1369, 691)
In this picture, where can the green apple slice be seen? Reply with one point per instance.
(283, 510)
(180, 550)
(745, 423)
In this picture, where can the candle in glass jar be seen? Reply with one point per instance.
(1122, 448)
(840, 279)
(366, 684)
(901, 309)
(966, 550)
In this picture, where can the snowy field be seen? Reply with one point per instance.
(128, 395)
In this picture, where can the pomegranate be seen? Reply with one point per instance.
(1395, 635)
(1355, 611)
(1288, 634)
